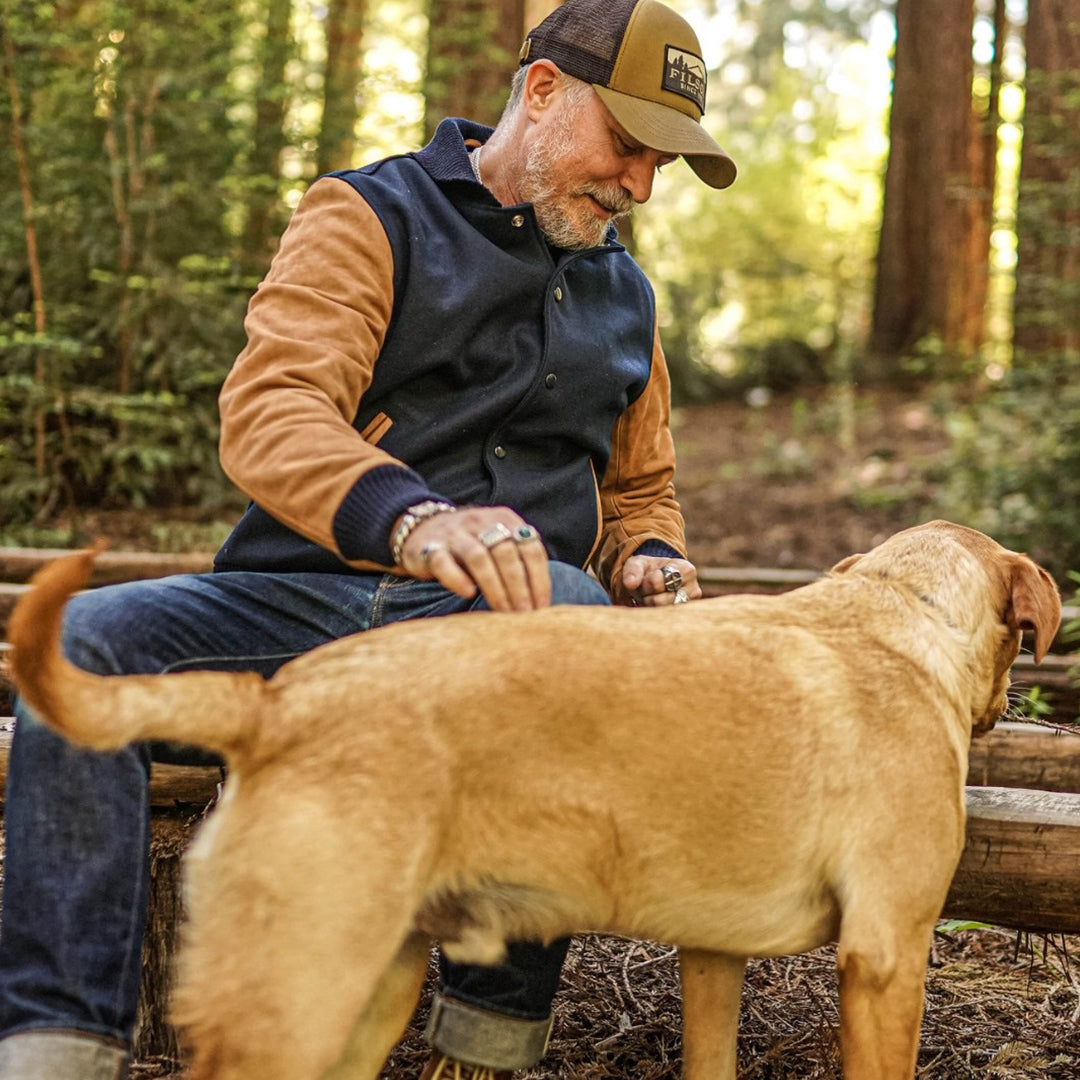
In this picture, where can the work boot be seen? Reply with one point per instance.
(441, 1067)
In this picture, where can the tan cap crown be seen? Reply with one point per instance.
(644, 60)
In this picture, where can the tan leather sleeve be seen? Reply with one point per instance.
(315, 327)
(637, 497)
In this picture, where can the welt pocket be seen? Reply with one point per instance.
(376, 428)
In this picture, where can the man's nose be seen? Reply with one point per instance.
(638, 176)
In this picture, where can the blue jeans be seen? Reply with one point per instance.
(77, 822)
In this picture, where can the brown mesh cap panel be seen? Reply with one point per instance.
(583, 38)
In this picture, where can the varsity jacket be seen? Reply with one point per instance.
(414, 339)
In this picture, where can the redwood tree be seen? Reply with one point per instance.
(265, 211)
(934, 245)
(473, 50)
(344, 35)
(1047, 314)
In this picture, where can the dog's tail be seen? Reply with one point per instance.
(108, 711)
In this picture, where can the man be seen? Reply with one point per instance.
(452, 397)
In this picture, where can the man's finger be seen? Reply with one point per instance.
(440, 563)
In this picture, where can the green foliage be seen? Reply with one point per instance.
(759, 283)
(951, 926)
(1036, 704)
(1070, 629)
(131, 130)
(105, 449)
(1014, 466)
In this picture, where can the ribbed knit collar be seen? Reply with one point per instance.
(446, 157)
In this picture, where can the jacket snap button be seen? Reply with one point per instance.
(558, 293)
(517, 220)
(551, 380)
(500, 451)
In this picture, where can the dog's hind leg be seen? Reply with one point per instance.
(882, 967)
(711, 989)
(380, 1025)
(294, 919)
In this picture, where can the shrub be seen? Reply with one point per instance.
(1014, 466)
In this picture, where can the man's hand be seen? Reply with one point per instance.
(485, 548)
(644, 582)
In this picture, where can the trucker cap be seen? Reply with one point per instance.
(645, 62)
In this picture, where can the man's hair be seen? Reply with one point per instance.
(575, 90)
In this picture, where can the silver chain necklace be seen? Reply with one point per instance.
(474, 161)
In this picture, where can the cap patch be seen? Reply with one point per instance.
(684, 74)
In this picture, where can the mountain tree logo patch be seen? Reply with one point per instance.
(684, 74)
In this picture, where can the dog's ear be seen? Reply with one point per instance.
(845, 564)
(1035, 603)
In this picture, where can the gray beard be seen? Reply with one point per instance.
(539, 186)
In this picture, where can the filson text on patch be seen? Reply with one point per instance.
(684, 74)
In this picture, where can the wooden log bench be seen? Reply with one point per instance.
(1021, 862)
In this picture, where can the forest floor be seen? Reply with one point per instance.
(793, 482)
(801, 481)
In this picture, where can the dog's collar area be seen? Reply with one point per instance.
(931, 603)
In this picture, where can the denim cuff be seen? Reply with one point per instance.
(478, 1037)
(60, 1055)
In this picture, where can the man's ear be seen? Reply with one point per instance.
(541, 82)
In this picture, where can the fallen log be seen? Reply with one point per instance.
(172, 787)
(1016, 755)
(19, 564)
(1021, 862)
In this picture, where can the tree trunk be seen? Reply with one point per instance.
(472, 54)
(967, 318)
(1047, 316)
(344, 33)
(265, 215)
(128, 108)
(931, 279)
(37, 288)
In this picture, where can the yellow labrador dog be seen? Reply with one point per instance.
(744, 776)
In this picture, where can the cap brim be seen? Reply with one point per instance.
(671, 132)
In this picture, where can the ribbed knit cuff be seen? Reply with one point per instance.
(657, 549)
(367, 514)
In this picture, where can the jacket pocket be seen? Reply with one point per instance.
(376, 428)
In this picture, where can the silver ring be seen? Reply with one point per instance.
(495, 535)
(681, 597)
(672, 578)
(524, 533)
(429, 549)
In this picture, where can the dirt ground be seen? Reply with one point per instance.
(999, 1006)
(801, 481)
